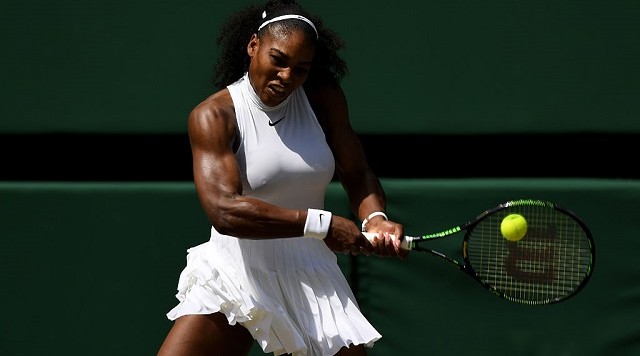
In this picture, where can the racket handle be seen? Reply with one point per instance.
(406, 243)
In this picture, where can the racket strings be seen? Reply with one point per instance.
(551, 262)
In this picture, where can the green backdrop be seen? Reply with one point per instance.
(436, 66)
(92, 268)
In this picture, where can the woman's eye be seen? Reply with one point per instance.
(278, 61)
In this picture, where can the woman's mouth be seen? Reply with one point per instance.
(277, 90)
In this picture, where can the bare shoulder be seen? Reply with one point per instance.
(217, 107)
(325, 96)
(329, 104)
(214, 115)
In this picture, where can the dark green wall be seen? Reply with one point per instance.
(92, 268)
(443, 66)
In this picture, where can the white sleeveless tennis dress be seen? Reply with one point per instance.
(289, 293)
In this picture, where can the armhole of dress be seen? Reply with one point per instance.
(237, 142)
(307, 102)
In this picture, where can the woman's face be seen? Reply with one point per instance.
(279, 64)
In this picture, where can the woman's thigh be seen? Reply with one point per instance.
(206, 335)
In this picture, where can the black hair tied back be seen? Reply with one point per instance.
(328, 67)
(275, 8)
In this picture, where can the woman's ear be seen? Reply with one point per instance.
(253, 45)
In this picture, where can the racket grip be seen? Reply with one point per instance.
(406, 243)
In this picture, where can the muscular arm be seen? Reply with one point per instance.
(212, 134)
(362, 186)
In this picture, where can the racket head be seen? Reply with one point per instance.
(551, 263)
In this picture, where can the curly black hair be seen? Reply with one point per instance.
(328, 67)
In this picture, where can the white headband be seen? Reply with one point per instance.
(286, 17)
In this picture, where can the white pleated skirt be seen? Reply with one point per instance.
(289, 293)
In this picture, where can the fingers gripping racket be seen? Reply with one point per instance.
(544, 256)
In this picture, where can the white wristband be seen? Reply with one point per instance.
(371, 216)
(317, 224)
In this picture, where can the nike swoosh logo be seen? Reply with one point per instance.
(274, 123)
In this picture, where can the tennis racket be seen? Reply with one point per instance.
(550, 263)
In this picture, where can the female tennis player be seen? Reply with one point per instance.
(265, 148)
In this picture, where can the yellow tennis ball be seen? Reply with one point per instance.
(513, 227)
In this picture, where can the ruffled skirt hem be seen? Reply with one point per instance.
(289, 293)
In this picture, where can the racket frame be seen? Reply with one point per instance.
(415, 242)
